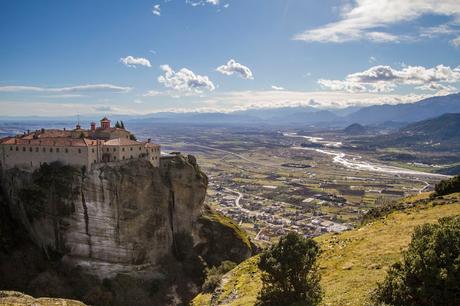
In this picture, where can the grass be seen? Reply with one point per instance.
(351, 263)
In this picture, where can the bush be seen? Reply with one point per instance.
(429, 273)
(290, 275)
(214, 275)
(449, 186)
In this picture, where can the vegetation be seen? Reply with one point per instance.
(214, 275)
(429, 273)
(448, 186)
(290, 275)
(120, 125)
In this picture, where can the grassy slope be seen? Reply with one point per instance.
(351, 262)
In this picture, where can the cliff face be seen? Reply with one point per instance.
(118, 218)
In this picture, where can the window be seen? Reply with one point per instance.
(23, 149)
(123, 158)
(123, 149)
(114, 149)
(114, 158)
(140, 148)
(57, 150)
(11, 148)
(131, 157)
(66, 150)
(51, 149)
(44, 150)
(31, 149)
(36, 149)
(131, 148)
(17, 148)
(92, 150)
(79, 150)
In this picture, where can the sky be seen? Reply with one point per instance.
(61, 58)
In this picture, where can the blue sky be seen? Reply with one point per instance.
(137, 57)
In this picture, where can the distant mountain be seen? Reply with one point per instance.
(410, 112)
(443, 127)
(355, 129)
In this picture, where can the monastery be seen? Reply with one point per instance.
(78, 147)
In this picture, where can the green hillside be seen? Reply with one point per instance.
(351, 263)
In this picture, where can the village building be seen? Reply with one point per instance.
(78, 147)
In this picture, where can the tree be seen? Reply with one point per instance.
(429, 273)
(448, 186)
(118, 125)
(122, 124)
(214, 275)
(290, 275)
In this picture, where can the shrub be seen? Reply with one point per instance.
(429, 273)
(290, 275)
(214, 275)
(447, 186)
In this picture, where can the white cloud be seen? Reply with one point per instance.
(153, 93)
(362, 19)
(443, 29)
(132, 62)
(385, 78)
(455, 42)
(234, 67)
(185, 80)
(372, 59)
(156, 10)
(202, 2)
(241, 100)
(277, 87)
(78, 88)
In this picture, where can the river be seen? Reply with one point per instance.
(356, 162)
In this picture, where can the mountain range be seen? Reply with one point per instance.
(394, 116)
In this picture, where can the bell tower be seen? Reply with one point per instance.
(105, 123)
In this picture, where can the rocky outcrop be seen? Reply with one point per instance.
(116, 218)
(222, 239)
(17, 298)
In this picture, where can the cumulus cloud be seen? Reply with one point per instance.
(132, 62)
(156, 10)
(234, 67)
(361, 20)
(455, 42)
(385, 78)
(277, 87)
(184, 80)
(78, 88)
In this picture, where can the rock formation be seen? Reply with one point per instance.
(120, 217)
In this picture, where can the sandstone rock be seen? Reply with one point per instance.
(116, 218)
